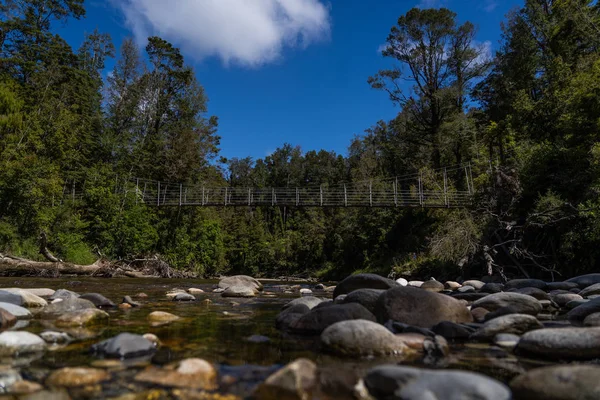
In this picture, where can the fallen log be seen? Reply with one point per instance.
(15, 266)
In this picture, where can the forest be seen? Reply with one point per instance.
(527, 118)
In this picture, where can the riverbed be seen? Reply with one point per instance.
(218, 330)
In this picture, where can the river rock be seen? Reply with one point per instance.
(562, 299)
(75, 377)
(55, 337)
(124, 345)
(592, 320)
(192, 373)
(28, 299)
(577, 315)
(8, 377)
(184, 297)
(241, 281)
(399, 328)
(239, 291)
(584, 281)
(524, 283)
(63, 294)
(590, 290)
(479, 313)
(513, 323)
(195, 291)
(492, 288)
(21, 342)
(562, 343)
(319, 286)
(6, 319)
(433, 286)
(363, 281)
(506, 340)
(87, 317)
(18, 311)
(533, 292)
(162, 317)
(561, 285)
(11, 298)
(297, 380)
(24, 387)
(452, 285)
(452, 331)
(360, 338)
(98, 300)
(316, 320)
(474, 283)
(309, 301)
(516, 302)
(420, 307)
(289, 315)
(389, 382)
(469, 296)
(466, 289)
(365, 297)
(562, 382)
(41, 292)
(402, 282)
(68, 305)
(305, 291)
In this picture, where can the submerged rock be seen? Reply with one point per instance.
(562, 343)
(363, 281)
(360, 338)
(192, 373)
(162, 317)
(390, 382)
(55, 337)
(240, 291)
(184, 297)
(21, 342)
(88, 317)
(420, 307)
(297, 380)
(75, 377)
(72, 304)
(130, 301)
(63, 294)
(562, 382)
(124, 345)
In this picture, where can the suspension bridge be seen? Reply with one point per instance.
(450, 187)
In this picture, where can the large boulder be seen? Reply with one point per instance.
(562, 382)
(420, 308)
(584, 281)
(316, 320)
(363, 281)
(28, 299)
(17, 311)
(63, 294)
(512, 323)
(360, 338)
(289, 315)
(365, 297)
(590, 290)
(11, 298)
(309, 301)
(390, 382)
(242, 281)
(124, 345)
(87, 317)
(239, 291)
(515, 303)
(562, 343)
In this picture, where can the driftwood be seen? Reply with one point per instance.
(44, 249)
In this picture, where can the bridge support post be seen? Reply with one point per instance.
(446, 188)
(395, 183)
(137, 189)
(225, 200)
(472, 190)
(297, 197)
(371, 193)
(158, 195)
(272, 196)
(202, 195)
(345, 196)
(180, 194)
(249, 196)
(420, 190)
(321, 194)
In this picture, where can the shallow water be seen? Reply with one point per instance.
(217, 332)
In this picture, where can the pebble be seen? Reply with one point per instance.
(195, 291)
(124, 345)
(305, 291)
(75, 377)
(161, 316)
(184, 297)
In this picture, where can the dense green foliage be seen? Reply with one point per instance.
(528, 118)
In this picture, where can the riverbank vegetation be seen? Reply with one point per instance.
(526, 117)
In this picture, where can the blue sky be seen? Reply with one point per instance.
(280, 71)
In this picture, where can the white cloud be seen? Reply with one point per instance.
(431, 4)
(382, 47)
(246, 32)
(485, 51)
